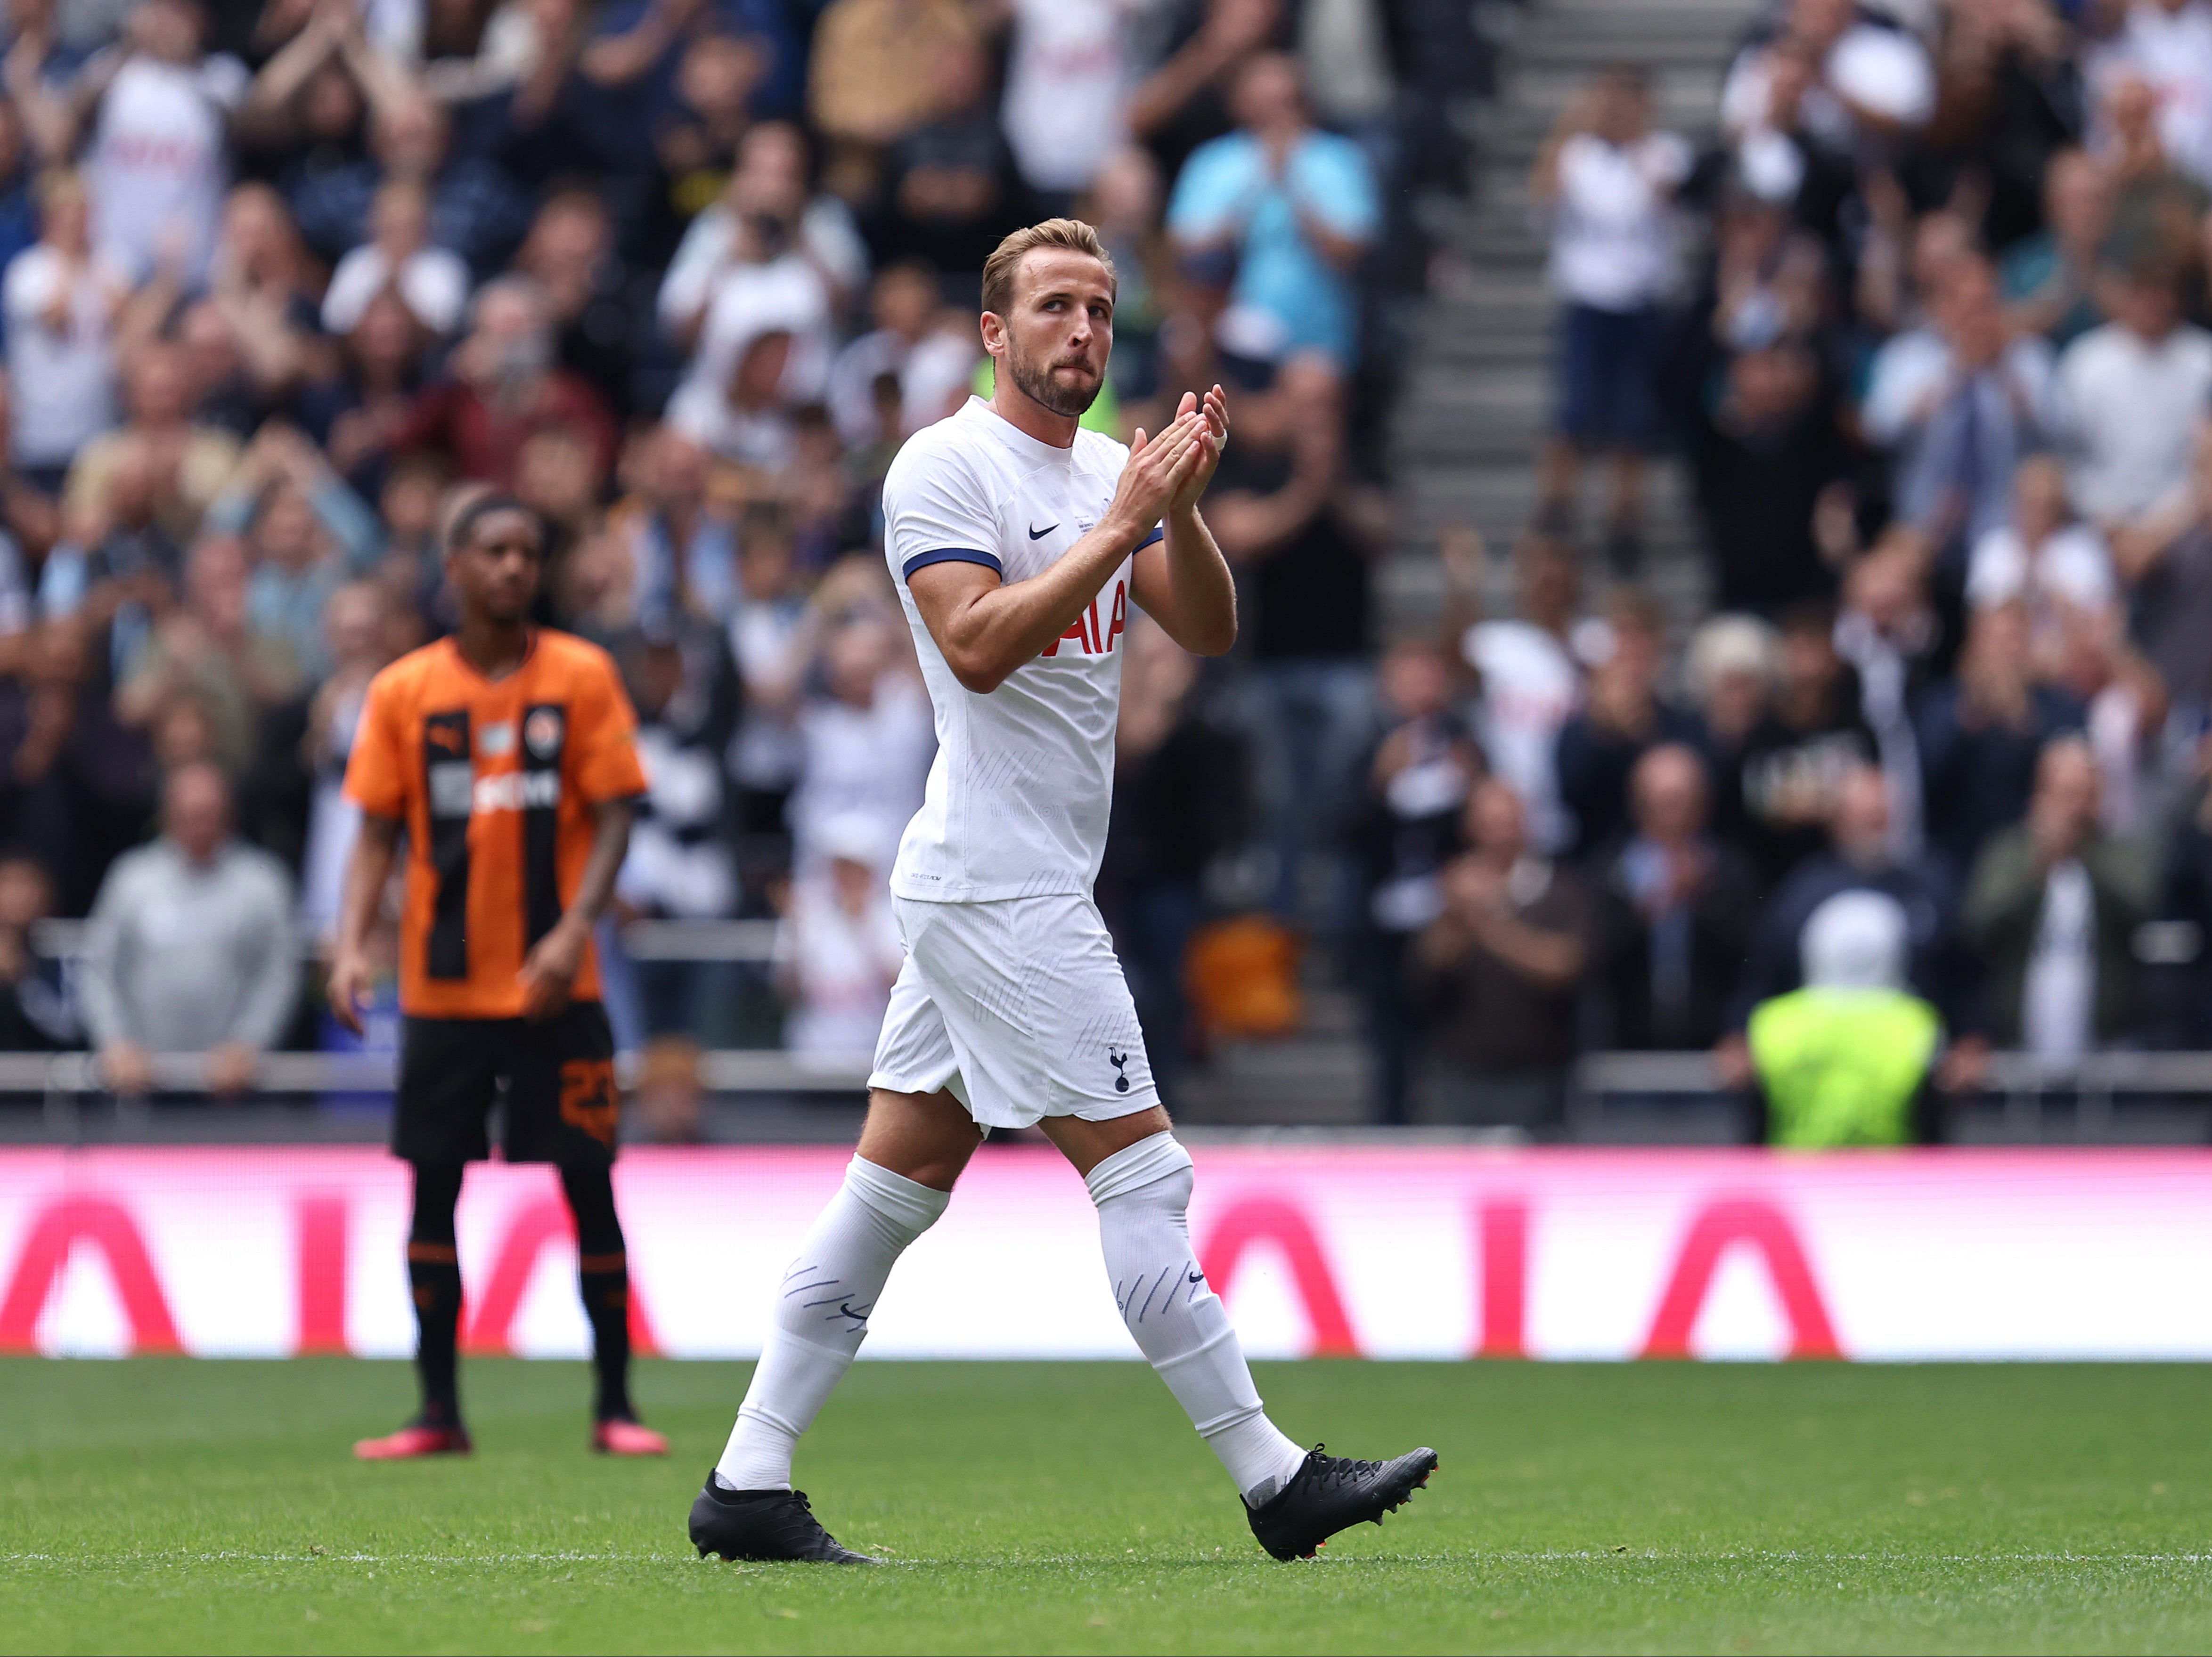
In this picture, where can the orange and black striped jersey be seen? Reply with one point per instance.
(496, 782)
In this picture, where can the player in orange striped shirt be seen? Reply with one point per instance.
(504, 755)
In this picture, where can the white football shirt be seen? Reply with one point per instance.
(1018, 795)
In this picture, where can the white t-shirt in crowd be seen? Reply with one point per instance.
(2059, 993)
(1612, 239)
(2172, 50)
(827, 242)
(2130, 408)
(1530, 688)
(62, 381)
(433, 283)
(862, 765)
(1066, 80)
(157, 166)
(1018, 794)
(844, 966)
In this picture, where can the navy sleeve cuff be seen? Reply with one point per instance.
(952, 556)
(1160, 533)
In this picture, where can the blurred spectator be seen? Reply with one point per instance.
(746, 417)
(1406, 830)
(358, 644)
(869, 738)
(949, 185)
(1872, 79)
(432, 282)
(190, 948)
(1622, 716)
(2134, 391)
(1185, 101)
(1980, 732)
(180, 463)
(597, 304)
(208, 652)
(19, 205)
(868, 86)
(1860, 859)
(1495, 978)
(1888, 633)
(1960, 406)
(2167, 573)
(682, 546)
(679, 866)
(504, 386)
(839, 950)
(2168, 45)
(307, 531)
(911, 342)
(1675, 915)
(787, 249)
(1290, 209)
(1845, 1060)
(1606, 179)
(1124, 206)
(2051, 278)
(771, 637)
(2007, 94)
(62, 300)
(356, 412)
(1179, 803)
(1728, 670)
(38, 1004)
(1068, 71)
(2044, 558)
(2052, 909)
(157, 108)
(1812, 736)
(1770, 453)
(1300, 539)
(75, 787)
(475, 208)
(1529, 683)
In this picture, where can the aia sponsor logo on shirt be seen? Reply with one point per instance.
(1086, 633)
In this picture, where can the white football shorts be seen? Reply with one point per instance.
(1019, 1007)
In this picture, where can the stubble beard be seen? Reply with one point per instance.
(1040, 387)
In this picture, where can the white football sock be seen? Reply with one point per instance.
(1178, 1320)
(822, 1317)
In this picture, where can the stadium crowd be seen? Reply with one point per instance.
(283, 283)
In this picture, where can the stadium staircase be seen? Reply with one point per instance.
(1471, 412)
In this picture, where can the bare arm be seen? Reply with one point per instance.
(1183, 582)
(987, 630)
(552, 965)
(368, 868)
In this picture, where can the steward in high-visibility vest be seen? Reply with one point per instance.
(1843, 1067)
(1845, 1060)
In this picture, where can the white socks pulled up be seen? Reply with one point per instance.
(1178, 1321)
(826, 1296)
(822, 1313)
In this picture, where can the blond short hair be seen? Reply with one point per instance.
(1005, 259)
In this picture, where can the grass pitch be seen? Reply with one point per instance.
(174, 1505)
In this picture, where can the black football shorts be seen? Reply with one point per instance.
(557, 1078)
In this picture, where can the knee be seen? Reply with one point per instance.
(1155, 1172)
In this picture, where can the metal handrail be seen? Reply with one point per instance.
(2007, 1072)
(725, 1070)
(642, 940)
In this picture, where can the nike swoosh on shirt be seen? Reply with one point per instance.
(1039, 534)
